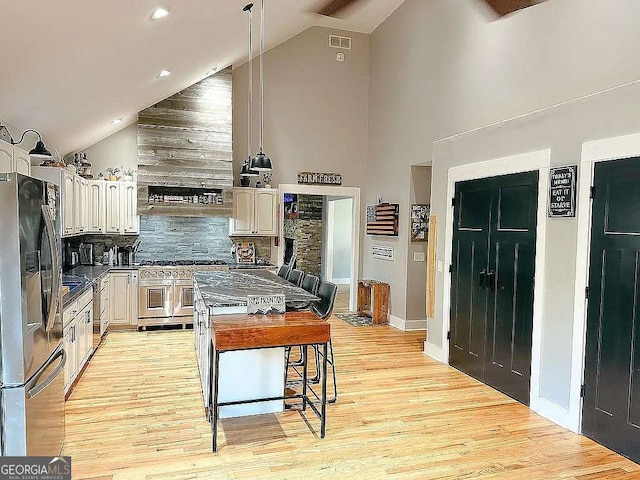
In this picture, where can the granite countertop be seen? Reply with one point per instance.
(230, 289)
(89, 275)
(250, 266)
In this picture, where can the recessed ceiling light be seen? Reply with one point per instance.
(164, 73)
(159, 13)
(211, 72)
(116, 121)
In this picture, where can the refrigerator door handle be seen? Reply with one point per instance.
(32, 392)
(55, 265)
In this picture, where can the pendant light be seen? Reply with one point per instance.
(261, 161)
(246, 170)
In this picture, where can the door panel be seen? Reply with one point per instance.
(492, 280)
(470, 257)
(611, 408)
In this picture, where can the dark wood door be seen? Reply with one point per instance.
(472, 214)
(492, 280)
(611, 408)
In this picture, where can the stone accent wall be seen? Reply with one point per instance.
(289, 228)
(177, 238)
(308, 234)
(198, 238)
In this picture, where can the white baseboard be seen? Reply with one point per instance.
(396, 322)
(437, 353)
(554, 412)
(407, 325)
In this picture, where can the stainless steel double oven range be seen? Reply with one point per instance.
(166, 290)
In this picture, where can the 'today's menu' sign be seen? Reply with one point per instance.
(562, 191)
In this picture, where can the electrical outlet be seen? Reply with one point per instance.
(419, 257)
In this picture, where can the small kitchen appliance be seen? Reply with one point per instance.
(85, 250)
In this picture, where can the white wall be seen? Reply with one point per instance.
(118, 150)
(440, 67)
(316, 108)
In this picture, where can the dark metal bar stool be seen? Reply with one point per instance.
(296, 276)
(327, 292)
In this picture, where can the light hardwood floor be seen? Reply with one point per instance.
(137, 414)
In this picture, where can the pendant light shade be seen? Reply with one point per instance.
(40, 151)
(246, 171)
(261, 161)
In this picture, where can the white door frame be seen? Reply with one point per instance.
(526, 162)
(331, 191)
(604, 150)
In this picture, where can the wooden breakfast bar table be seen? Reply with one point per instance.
(241, 357)
(238, 332)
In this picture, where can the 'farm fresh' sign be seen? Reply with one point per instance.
(318, 178)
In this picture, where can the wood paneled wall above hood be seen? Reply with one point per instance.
(186, 141)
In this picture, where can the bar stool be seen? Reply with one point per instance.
(283, 271)
(310, 284)
(327, 292)
(296, 276)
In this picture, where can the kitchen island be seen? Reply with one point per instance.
(243, 374)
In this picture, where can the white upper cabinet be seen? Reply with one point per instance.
(21, 161)
(14, 159)
(112, 209)
(93, 206)
(77, 205)
(129, 219)
(243, 207)
(6, 157)
(266, 221)
(68, 203)
(96, 207)
(254, 212)
(121, 208)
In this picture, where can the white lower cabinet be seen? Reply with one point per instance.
(77, 336)
(123, 297)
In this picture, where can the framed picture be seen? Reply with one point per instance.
(419, 222)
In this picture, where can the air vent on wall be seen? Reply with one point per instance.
(335, 41)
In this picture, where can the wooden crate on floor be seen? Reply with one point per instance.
(373, 300)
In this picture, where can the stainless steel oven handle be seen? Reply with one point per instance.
(32, 392)
(55, 266)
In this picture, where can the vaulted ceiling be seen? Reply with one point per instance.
(69, 68)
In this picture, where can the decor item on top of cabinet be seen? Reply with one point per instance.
(246, 253)
(261, 161)
(319, 178)
(266, 178)
(127, 174)
(419, 222)
(382, 219)
(112, 173)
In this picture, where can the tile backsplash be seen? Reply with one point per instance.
(177, 238)
(199, 238)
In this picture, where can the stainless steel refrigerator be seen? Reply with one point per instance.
(32, 357)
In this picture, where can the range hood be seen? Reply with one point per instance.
(185, 158)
